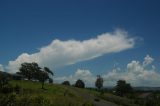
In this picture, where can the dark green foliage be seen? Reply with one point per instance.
(123, 88)
(7, 100)
(66, 83)
(3, 80)
(80, 84)
(31, 95)
(7, 89)
(99, 82)
(150, 103)
(48, 71)
(33, 71)
(13, 100)
(29, 70)
(44, 75)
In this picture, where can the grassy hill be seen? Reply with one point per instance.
(29, 93)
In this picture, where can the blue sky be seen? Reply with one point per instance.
(28, 26)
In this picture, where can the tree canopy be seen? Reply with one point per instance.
(80, 84)
(99, 82)
(66, 83)
(33, 71)
(123, 88)
(29, 70)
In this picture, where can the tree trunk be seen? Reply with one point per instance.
(42, 85)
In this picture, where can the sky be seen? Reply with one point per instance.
(80, 39)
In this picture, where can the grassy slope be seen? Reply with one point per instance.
(54, 93)
(74, 96)
(118, 100)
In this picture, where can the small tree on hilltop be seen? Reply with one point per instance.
(44, 75)
(48, 71)
(66, 83)
(80, 84)
(99, 82)
(33, 71)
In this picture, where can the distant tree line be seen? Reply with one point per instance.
(122, 88)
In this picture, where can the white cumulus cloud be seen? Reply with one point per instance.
(135, 73)
(60, 53)
(1, 67)
(148, 60)
(84, 75)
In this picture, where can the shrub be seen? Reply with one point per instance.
(8, 100)
(80, 84)
(66, 83)
(7, 89)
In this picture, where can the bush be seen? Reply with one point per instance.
(7, 100)
(7, 89)
(80, 84)
(66, 83)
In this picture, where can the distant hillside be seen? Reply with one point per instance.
(147, 88)
(138, 88)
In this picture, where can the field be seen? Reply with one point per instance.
(29, 93)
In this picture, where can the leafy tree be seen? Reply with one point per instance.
(122, 88)
(80, 84)
(33, 71)
(44, 75)
(99, 82)
(48, 71)
(29, 70)
(66, 83)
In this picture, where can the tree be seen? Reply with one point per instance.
(44, 75)
(48, 71)
(80, 84)
(66, 83)
(33, 71)
(122, 88)
(29, 70)
(99, 82)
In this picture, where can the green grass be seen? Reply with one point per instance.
(122, 101)
(53, 94)
(31, 94)
(118, 100)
